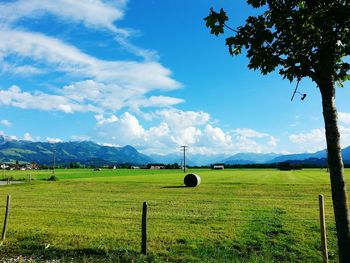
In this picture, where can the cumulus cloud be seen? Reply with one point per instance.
(53, 140)
(8, 137)
(312, 140)
(249, 140)
(27, 137)
(344, 118)
(178, 118)
(177, 128)
(315, 139)
(6, 123)
(217, 136)
(102, 120)
(344, 136)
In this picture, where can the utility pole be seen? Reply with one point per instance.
(184, 162)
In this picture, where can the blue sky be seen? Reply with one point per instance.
(148, 74)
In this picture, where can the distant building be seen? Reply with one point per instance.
(156, 166)
(134, 167)
(4, 166)
(18, 166)
(218, 166)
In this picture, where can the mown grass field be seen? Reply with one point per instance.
(233, 216)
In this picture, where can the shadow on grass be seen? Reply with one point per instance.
(35, 248)
(175, 186)
(37, 253)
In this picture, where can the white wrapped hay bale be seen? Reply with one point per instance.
(192, 180)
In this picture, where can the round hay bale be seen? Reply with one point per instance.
(192, 180)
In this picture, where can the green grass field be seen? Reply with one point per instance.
(233, 216)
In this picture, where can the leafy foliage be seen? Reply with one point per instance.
(300, 38)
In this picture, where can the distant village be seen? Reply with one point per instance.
(152, 166)
(283, 166)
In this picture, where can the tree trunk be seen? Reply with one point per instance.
(336, 170)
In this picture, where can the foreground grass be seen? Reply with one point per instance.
(233, 216)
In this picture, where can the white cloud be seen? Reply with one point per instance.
(344, 117)
(97, 98)
(315, 139)
(154, 101)
(186, 136)
(316, 135)
(178, 119)
(53, 140)
(6, 123)
(250, 133)
(129, 124)
(14, 96)
(110, 85)
(24, 70)
(141, 52)
(112, 96)
(178, 128)
(344, 136)
(80, 137)
(245, 144)
(310, 141)
(95, 14)
(8, 137)
(66, 58)
(217, 136)
(27, 137)
(102, 120)
(273, 142)
(92, 13)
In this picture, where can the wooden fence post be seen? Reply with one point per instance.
(144, 229)
(323, 229)
(4, 230)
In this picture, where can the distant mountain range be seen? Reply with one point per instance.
(90, 153)
(319, 157)
(85, 152)
(191, 159)
(250, 158)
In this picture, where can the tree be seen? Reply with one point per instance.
(302, 39)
